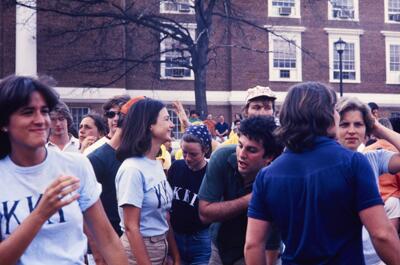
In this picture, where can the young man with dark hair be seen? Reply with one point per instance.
(374, 109)
(61, 123)
(227, 187)
(221, 129)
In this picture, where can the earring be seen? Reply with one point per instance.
(4, 129)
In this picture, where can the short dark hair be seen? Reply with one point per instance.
(15, 92)
(194, 112)
(395, 121)
(373, 106)
(136, 135)
(116, 101)
(98, 122)
(346, 104)
(261, 129)
(62, 109)
(307, 112)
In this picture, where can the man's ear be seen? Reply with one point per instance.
(269, 159)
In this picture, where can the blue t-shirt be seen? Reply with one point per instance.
(315, 202)
(141, 182)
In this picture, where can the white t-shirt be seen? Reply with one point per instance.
(71, 146)
(95, 145)
(379, 161)
(141, 182)
(61, 239)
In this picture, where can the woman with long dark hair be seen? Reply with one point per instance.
(91, 129)
(318, 193)
(143, 193)
(46, 195)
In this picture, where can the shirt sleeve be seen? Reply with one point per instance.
(258, 207)
(129, 186)
(366, 189)
(380, 160)
(89, 189)
(212, 186)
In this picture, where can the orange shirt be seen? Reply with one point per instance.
(389, 185)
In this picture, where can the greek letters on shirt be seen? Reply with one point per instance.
(185, 195)
(14, 212)
(161, 190)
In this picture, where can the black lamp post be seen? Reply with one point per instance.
(340, 45)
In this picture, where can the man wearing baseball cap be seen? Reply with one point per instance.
(260, 100)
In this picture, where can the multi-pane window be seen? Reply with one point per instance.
(394, 10)
(343, 9)
(177, 132)
(285, 60)
(348, 63)
(77, 114)
(284, 54)
(394, 57)
(177, 6)
(284, 8)
(284, 3)
(176, 58)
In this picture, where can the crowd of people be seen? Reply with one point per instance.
(318, 184)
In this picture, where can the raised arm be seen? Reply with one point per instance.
(180, 111)
(392, 137)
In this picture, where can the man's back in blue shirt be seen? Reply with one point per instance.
(314, 197)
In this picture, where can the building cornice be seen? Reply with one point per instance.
(343, 31)
(285, 28)
(395, 34)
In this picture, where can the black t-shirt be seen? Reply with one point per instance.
(222, 127)
(105, 165)
(185, 204)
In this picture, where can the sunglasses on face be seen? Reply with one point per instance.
(111, 114)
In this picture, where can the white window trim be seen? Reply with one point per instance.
(164, 11)
(391, 37)
(348, 35)
(192, 28)
(387, 14)
(291, 33)
(356, 12)
(274, 12)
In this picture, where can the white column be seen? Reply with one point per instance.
(26, 46)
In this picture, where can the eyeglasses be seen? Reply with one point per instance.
(111, 114)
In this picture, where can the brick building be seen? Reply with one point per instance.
(300, 47)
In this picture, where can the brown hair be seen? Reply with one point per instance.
(346, 104)
(307, 112)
